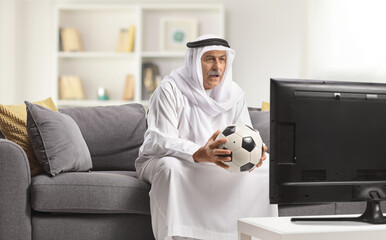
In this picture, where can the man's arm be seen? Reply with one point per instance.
(162, 137)
(211, 153)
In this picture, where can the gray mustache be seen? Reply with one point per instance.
(213, 72)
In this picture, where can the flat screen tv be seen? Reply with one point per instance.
(328, 144)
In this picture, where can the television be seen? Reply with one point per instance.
(328, 144)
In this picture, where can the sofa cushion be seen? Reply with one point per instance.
(260, 122)
(90, 192)
(13, 119)
(113, 133)
(306, 209)
(56, 140)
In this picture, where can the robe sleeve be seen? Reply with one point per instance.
(162, 137)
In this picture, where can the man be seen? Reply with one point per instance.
(191, 195)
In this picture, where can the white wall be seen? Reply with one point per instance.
(7, 52)
(268, 36)
(26, 46)
(347, 40)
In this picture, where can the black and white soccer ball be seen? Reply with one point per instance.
(245, 144)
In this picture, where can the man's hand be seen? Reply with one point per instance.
(211, 153)
(263, 157)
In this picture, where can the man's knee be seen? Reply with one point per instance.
(170, 164)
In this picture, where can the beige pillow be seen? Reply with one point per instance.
(13, 125)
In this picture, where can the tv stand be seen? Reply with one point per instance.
(268, 228)
(373, 214)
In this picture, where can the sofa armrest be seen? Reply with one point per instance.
(15, 180)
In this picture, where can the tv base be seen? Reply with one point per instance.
(373, 214)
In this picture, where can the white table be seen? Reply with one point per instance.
(281, 228)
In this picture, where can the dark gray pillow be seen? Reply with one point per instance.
(56, 140)
(260, 122)
(113, 133)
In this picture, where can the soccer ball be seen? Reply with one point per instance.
(245, 145)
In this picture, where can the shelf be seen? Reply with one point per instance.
(99, 65)
(163, 54)
(203, 6)
(95, 55)
(100, 7)
(90, 103)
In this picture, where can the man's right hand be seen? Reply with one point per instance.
(211, 153)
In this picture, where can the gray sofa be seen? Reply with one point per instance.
(108, 202)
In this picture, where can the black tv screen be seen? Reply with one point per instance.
(328, 142)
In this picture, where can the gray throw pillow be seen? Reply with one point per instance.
(260, 122)
(112, 133)
(56, 140)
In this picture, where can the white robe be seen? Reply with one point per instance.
(189, 199)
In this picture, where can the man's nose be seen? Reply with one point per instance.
(215, 64)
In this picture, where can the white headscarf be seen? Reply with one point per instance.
(189, 80)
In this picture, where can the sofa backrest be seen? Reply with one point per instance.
(113, 133)
(260, 122)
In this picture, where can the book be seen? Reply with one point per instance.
(265, 106)
(130, 41)
(77, 88)
(128, 91)
(70, 39)
(64, 88)
(123, 39)
(70, 88)
(126, 39)
(60, 46)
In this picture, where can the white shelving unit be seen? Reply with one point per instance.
(99, 65)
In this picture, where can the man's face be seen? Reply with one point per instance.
(213, 65)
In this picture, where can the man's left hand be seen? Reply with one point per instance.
(263, 157)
